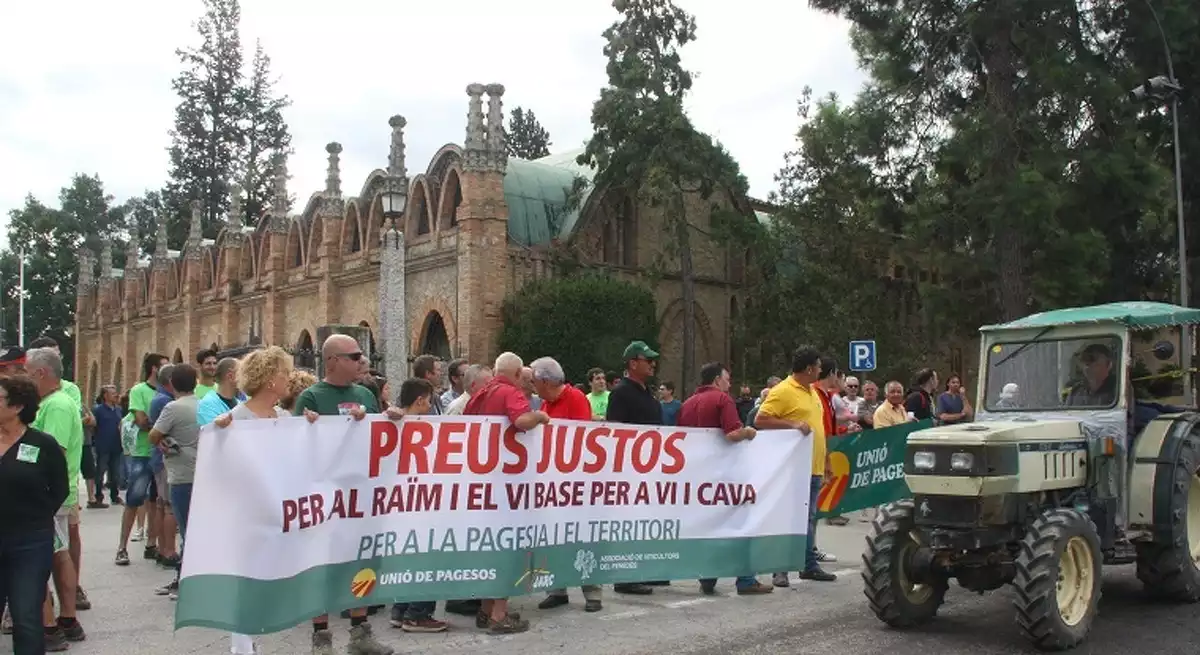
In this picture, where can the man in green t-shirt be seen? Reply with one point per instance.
(140, 485)
(58, 416)
(338, 395)
(599, 395)
(206, 366)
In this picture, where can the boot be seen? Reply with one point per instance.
(363, 642)
(322, 642)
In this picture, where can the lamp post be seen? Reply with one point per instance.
(1159, 89)
(393, 200)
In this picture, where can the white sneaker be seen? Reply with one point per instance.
(139, 534)
(828, 558)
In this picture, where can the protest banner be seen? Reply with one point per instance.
(866, 470)
(290, 520)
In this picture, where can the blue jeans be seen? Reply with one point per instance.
(109, 466)
(810, 557)
(141, 482)
(25, 561)
(181, 504)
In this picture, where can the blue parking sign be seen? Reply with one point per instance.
(862, 355)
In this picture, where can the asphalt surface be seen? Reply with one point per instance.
(819, 618)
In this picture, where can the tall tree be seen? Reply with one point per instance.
(207, 137)
(1015, 151)
(526, 137)
(265, 134)
(51, 239)
(643, 142)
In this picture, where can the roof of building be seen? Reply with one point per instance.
(538, 197)
(1137, 315)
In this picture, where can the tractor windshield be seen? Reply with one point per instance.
(1054, 374)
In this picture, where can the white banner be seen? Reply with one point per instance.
(290, 520)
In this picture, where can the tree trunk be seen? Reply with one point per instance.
(1009, 235)
(687, 278)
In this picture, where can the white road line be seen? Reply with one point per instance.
(623, 615)
(687, 603)
(842, 572)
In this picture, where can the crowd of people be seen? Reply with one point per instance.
(138, 449)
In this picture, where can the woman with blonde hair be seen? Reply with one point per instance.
(265, 377)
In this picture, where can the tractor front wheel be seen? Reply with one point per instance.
(887, 578)
(1058, 579)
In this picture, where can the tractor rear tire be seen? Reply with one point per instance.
(894, 598)
(1168, 569)
(1058, 579)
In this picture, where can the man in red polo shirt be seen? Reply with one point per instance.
(711, 406)
(563, 401)
(503, 396)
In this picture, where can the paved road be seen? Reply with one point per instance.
(128, 619)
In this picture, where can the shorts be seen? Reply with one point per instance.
(140, 483)
(63, 520)
(87, 464)
(161, 488)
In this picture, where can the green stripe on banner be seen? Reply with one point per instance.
(253, 606)
(867, 469)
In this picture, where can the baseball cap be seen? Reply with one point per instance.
(12, 356)
(638, 349)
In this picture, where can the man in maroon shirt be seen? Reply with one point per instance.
(711, 406)
(563, 401)
(503, 396)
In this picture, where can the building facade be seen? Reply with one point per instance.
(477, 226)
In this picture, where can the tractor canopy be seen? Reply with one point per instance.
(1072, 364)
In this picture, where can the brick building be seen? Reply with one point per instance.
(477, 225)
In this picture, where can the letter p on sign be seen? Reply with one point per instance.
(862, 355)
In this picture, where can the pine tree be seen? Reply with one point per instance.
(207, 136)
(265, 134)
(526, 137)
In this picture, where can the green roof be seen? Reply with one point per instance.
(536, 193)
(1134, 315)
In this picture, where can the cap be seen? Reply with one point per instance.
(638, 349)
(1094, 350)
(12, 356)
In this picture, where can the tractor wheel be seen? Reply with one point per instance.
(1171, 570)
(1058, 579)
(894, 597)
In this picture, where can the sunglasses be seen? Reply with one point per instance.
(352, 356)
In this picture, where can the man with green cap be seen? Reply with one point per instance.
(633, 401)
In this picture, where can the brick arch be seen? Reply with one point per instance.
(431, 306)
(353, 236)
(670, 330)
(419, 211)
(451, 199)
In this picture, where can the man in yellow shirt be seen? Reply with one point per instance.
(891, 411)
(795, 404)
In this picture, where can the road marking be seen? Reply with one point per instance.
(623, 615)
(842, 572)
(687, 603)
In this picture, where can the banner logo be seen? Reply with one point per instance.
(835, 485)
(363, 583)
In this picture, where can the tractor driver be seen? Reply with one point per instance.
(1099, 386)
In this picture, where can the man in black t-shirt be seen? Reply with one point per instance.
(632, 401)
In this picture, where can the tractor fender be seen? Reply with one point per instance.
(1155, 456)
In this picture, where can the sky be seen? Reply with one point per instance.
(86, 86)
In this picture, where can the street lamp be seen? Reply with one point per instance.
(393, 199)
(1159, 89)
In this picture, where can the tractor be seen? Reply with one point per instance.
(1062, 471)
